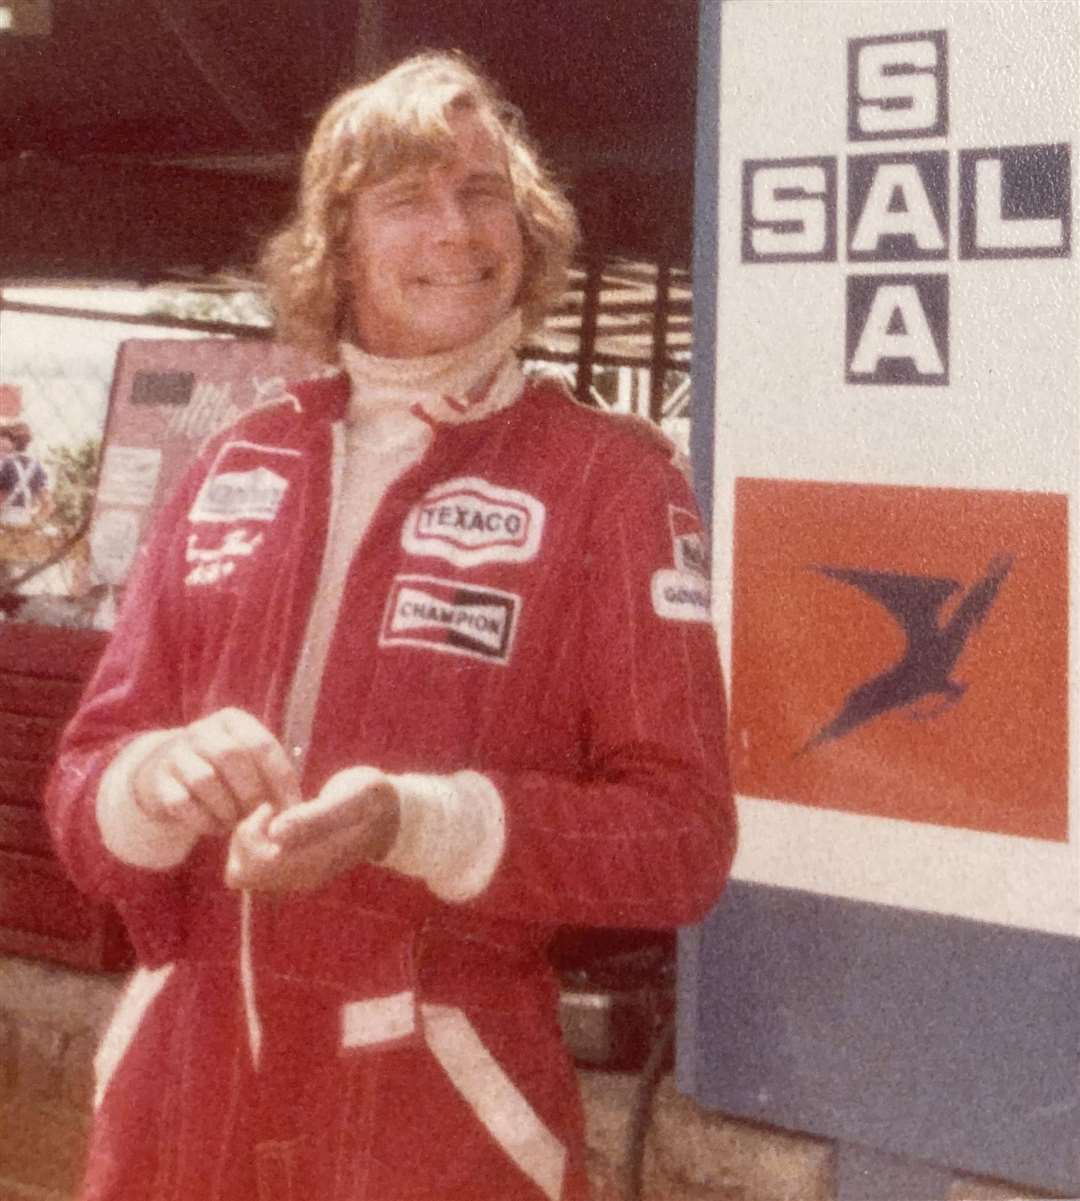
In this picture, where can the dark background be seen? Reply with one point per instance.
(158, 138)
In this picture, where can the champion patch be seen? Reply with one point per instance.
(444, 615)
(468, 522)
(681, 596)
(240, 486)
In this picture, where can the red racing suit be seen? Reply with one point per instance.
(529, 602)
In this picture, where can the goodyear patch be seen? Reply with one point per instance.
(681, 596)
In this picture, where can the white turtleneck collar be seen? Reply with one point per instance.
(441, 388)
(394, 408)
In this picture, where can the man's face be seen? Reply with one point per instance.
(435, 253)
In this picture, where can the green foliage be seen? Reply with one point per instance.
(73, 472)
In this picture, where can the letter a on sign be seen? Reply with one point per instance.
(898, 207)
(897, 329)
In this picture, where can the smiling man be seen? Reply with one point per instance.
(435, 253)
(451, 684)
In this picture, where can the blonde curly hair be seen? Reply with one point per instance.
(370, 133)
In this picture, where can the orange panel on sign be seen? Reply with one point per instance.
(902, 652)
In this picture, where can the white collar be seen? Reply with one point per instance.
(464, 384)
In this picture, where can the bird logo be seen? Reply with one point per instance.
(932, 646)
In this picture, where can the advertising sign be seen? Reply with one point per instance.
(897, 392)
(169, 396)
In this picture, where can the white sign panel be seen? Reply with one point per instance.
(898, 385)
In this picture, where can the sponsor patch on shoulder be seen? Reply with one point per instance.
(688, 542)
(241, 486)
(448, 616)
(468, 522)
(681, 596)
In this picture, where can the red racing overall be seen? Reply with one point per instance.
(530, 603)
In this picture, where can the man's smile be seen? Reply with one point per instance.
(457, 279)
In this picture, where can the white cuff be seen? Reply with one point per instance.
(452, 834)
(132, 836)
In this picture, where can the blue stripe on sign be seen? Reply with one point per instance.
(945, 1040)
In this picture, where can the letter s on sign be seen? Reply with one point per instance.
(789, 210)
(898, 86)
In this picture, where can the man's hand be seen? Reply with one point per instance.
(353, 820)
(211, 774)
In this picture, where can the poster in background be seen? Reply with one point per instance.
(898, 378)
(169, 396)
